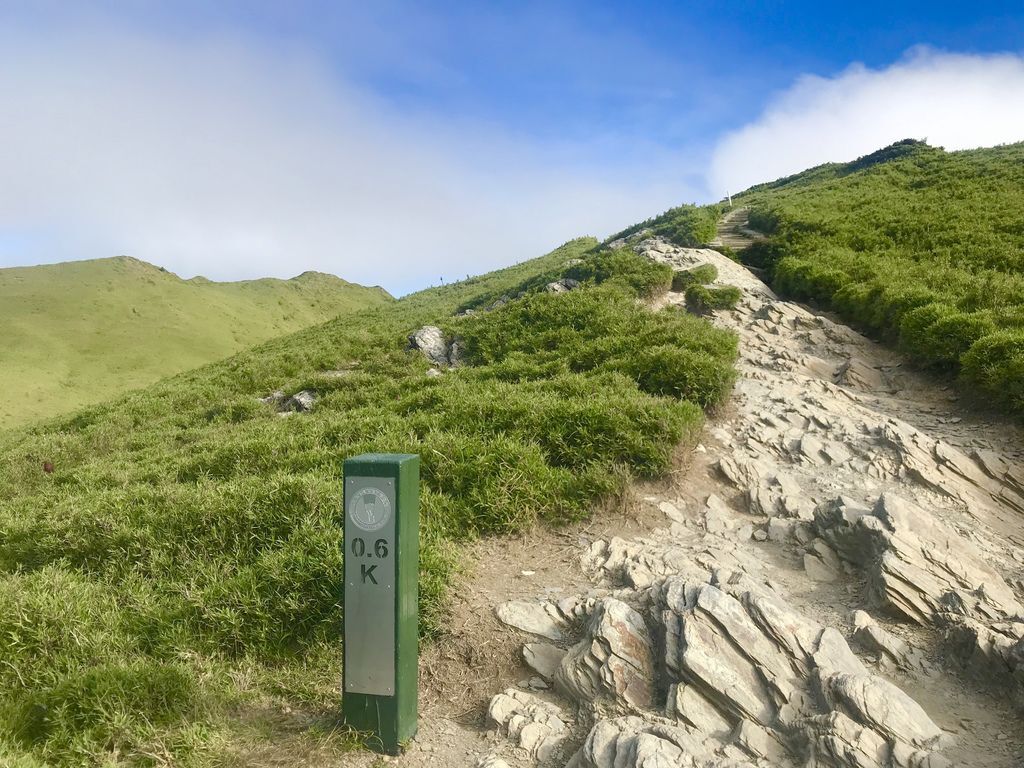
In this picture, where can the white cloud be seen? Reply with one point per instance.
(233, 161)
(956, 101)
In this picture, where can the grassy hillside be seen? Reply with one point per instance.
(80, 332)
(170, 593)
(918, 246)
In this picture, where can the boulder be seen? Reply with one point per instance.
(274, 398)
(836, 740)
(456, 352)
(631, 742)
(736, 654)
(876, 702)
(431, 342)
(821, 562)
(761, 743)
(857, 374)
(687, 706)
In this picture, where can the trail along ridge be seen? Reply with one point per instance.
(717, 627)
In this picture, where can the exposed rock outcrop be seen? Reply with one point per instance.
(888, 649)
(614, 660)
(543, 658)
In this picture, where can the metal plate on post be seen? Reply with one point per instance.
(370, 585)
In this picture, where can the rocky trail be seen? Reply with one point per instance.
(834, 577)
(734, 230)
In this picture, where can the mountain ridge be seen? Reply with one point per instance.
(78, 332)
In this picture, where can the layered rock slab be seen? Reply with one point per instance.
(746, 680)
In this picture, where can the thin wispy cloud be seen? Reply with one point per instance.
(956, 101)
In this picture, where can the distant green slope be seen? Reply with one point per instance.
(918, 246)
(79, 332)
(170, 592)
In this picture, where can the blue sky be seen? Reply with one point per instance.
(398, 142)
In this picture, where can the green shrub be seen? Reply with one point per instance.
(856, 299)
(624, 269)
(913, 335)
(892, 304)
(763, 219)
(682, 373)
(945, 340)
(762, 254)
(995, 365)
(702, 274)
(701, 299)
(602, 329)
(808, 280)
(729, 253)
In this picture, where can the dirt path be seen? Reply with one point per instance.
(830, 451)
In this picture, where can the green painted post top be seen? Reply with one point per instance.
(381, 460)
(381, 555)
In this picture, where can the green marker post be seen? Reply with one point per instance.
(381, 643)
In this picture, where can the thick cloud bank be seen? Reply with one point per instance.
(232, 161)
(952, 100)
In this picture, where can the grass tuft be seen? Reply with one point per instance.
(701, 298)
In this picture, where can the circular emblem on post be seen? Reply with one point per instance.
(370, 509)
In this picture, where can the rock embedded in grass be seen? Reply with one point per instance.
(431, 342)
(274, 398)
(562, 286)
(436, 347)
(301, 402)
